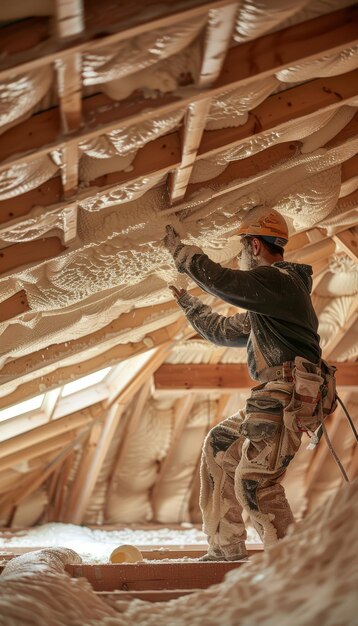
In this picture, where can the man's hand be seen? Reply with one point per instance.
(172, 239)
(177, 293)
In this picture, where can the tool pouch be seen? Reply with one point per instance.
(301, 414)
(328, 392)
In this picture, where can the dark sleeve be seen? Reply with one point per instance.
(260, 290)
(230, 331)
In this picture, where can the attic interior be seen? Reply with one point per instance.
(116, 119)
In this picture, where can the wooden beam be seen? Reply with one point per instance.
(238, 69)
(88, 452)
(109, 428)
(64, 374)
(282, 108)
(157, 157)
(22, 255)
(31, 483)
(35, 450)
(69, 17)
(217, 40)
(14, 306)
(116, 406)
(348, 241)
(104, 27)
(134, 576)
(228, 376)
(75, 421)
(38, 363)
(138, 373)
(203, 376)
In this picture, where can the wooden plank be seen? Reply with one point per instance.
(104, 26)
(22, 255)
(142, 576)
(30, 482)
(203, 376)
(348, 241)
(64, 374)
(35, 450)
(69, 17)
(101, 448)
(217, 40)
(280, 109)
(47, 431)
(89, 451)
(163, 595)
(14, 306)
(34, 368)
(228, 376)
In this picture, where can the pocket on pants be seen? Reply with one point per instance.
(262, 442)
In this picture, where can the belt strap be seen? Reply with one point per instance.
(278, 372)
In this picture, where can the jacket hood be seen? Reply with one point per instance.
(304, 271)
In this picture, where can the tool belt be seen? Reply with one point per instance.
(313, 393)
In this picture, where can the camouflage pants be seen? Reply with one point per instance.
(243, 461)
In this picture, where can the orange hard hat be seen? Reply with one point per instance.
(266, 223)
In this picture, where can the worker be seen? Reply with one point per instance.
(245, 456)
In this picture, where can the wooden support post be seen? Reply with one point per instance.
(88, 452)
(110, 425)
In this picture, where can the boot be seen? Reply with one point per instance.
(239, 553)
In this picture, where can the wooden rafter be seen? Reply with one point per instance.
(35, 450)
(115, 410)
(218, 35)
(28, 253)
(71, 422)
(237, 70)
(112, 27)
(14, 306)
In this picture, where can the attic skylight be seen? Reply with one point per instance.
(23, 407)
(85, 381)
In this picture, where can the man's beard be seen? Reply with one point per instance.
(247, 259)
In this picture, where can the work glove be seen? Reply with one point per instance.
(181, 253)
(174, 245)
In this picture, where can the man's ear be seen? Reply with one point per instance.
(256, 246)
